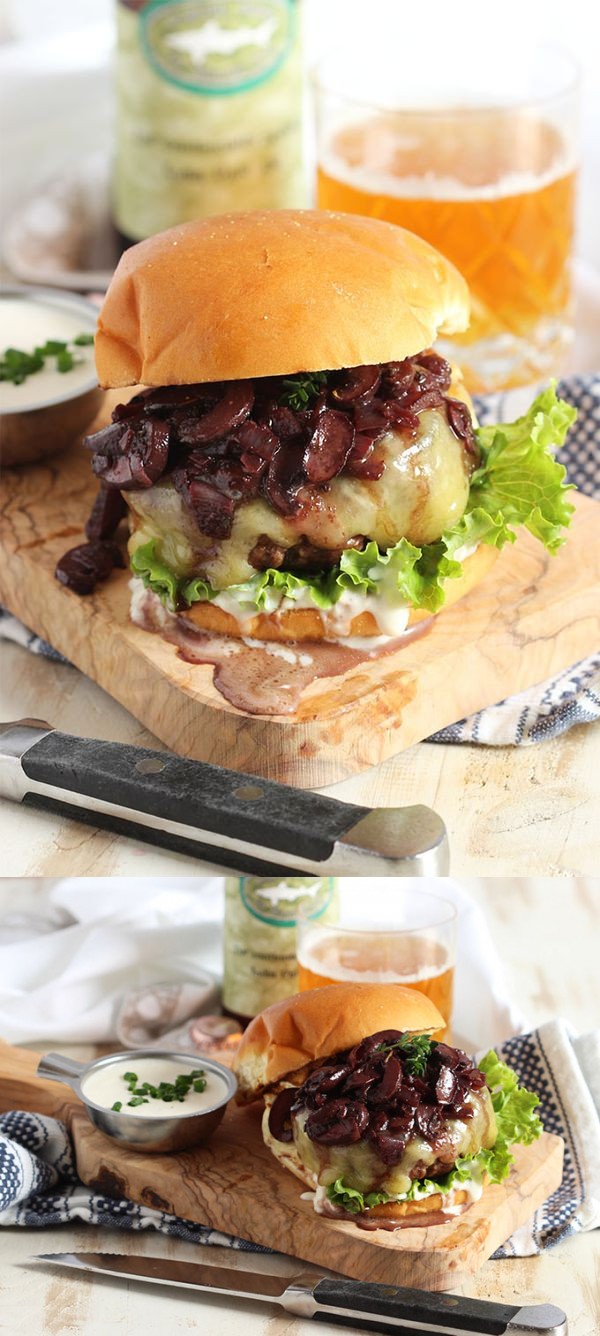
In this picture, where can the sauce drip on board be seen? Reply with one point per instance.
(261, 677)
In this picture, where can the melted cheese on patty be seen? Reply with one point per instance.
(423, 491)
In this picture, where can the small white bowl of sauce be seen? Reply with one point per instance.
(147, 1099)
(43, 410)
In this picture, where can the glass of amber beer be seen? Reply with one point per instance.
(392, 935)
(478, 156)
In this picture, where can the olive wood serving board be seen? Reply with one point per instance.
(234, 1184)
(530, 618)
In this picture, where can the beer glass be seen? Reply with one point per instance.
(478, 156)
(390, 935)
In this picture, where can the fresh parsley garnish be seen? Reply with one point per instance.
(301, 391)
(16, 364)
(413, 1049)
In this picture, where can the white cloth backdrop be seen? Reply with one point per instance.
(65, 971)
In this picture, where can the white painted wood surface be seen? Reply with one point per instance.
(546, 932)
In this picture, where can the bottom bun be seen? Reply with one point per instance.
(435, 1210)
(309, 623)
(439, 1201)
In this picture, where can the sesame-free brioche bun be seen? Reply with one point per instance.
(291, 1034)
(308, 624)
(243, 295)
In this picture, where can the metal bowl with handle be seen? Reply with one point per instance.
(42, 425)
(167, 1131)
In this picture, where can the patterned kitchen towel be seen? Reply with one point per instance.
(545, 710)
(39, 1184)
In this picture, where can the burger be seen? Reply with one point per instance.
(299, 464)
(384, 1124)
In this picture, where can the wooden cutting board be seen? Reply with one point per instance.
(533, 616)
(234, 1184)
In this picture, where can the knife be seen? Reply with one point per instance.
(331, 1299)
(221, 816)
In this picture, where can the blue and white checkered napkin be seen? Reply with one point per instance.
(545, 710)
(39, 1184)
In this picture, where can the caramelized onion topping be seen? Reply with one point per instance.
(228, 442)
(373, 1093)
(83, 567)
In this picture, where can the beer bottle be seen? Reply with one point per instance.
(260, 964)
(208, 114)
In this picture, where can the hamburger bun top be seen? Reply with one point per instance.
(288, 1036)
(243, 295)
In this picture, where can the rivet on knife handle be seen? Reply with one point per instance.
(215, 814)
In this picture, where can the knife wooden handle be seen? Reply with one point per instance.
(444, 1312)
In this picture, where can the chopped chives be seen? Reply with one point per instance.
(168, 1092)
(16, 364)
(65, 360)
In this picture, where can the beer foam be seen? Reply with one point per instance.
(430, 186)
(320, 964)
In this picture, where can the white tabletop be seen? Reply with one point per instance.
(561, 918)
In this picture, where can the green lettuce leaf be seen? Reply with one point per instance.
(148, 566)
(405, 573)
(196, 590)
(351, 1199)
(518, 483)
(515, 1107)
(519, 477)
(259, 589)
(516, 1119)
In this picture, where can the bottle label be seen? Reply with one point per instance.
(217, 46)
(277, 902)
(182, 153)
(260, 936)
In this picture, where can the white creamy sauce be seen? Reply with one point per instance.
(138, 596)
(392, 617)
(105, 1086)
(278, 650)
(462, 553)
(26, 324)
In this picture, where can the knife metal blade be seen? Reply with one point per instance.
(218, 815)
(332, 1299)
